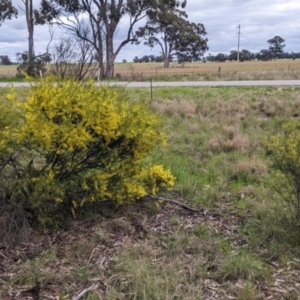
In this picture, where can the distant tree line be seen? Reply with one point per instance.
(150, 58)
(275, 50)
(246, 55)
(159, 58)
(5, 60)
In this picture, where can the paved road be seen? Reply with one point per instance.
(214, 83)
(189, 83)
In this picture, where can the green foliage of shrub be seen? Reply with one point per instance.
(10, 115)
(285, 154)
(80, 143)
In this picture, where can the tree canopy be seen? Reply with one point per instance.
(97, 22)
(276, 45)
(100, 25)
(7, 10)
(169, 28)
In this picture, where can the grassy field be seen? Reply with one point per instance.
(254, 70)
(7, 72)
(242, 244)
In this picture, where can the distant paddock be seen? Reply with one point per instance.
(8, 71)
(140, 71)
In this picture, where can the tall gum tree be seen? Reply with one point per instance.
(167, 26)
(103, 19)
(30, 22)
(276, 46)
(81, 18)
(7, 11)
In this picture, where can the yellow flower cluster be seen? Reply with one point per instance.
(285, 148)
(66, 116)
(84, 143)
(10, 117)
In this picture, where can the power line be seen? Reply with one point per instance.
(239, 36)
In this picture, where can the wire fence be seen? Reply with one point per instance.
(140, 71)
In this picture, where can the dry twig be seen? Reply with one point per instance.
(157, 198)
(83, 292)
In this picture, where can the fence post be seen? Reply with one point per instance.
(99, 71)
(151, 93)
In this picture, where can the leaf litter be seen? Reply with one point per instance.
(61, 265)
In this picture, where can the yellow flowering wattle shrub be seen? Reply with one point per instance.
(10, 117)
(83, 143)
(284, 150)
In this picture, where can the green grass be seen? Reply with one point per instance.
(11, 79)
(246, 241)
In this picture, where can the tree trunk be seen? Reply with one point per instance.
(166, 62)
(30, 28)
(110, 60)
(30, 52)
(166, 51)
(98, 44)
(100, 63)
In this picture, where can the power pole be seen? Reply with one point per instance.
(239, 35)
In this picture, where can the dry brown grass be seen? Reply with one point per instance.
(238, 143)
(220, 108)
(231, 130)
(8, 71)
(277, 107)
(251, 166)
(194, 127)
(230, 139)
(253, 70)
(180, 108)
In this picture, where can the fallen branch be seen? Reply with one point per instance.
(83, 292)
(157, 198)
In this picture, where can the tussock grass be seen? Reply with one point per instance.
(250, 167)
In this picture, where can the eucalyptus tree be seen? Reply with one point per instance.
(167, 26)
(27, 7)
(276, 46)
(81, 18)
(7, 10)
(98, 22)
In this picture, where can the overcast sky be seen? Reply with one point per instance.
(260, 20)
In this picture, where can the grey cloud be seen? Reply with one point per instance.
(260, 20)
